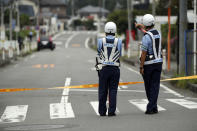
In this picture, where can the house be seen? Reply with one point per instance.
(28, 7)
(57, 8)
(92, 12)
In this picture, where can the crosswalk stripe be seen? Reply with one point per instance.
(142, 103)
(123, 86)
(61, 110)
(14, 114)
(185, 103)
(95, 104)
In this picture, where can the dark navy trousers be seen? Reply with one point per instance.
(152, 74)
(108, 84)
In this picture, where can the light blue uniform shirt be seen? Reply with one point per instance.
(109, 39)
(147, 43)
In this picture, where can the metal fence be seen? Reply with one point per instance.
(10, 49)
(189, 53)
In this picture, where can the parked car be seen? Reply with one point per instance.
(45, 42)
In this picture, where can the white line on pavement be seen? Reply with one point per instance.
(86, 42)
(86, 90)
(69, 39)
(62, 109)
(163, 86)
(185, 103)
(171, 91)
(14, 114)
(142, 103)
(94, 104)
(123, 86)
(65, 93)
(57, 42)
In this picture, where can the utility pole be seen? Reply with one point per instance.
(2, 15)
(2, 35)
(11, 7)
(153, 8)
(182, 28)
(194, 37)
(103, 8)
(38, 20)
(99, 16)
(130, 16)
(72, 5)
(169, 34)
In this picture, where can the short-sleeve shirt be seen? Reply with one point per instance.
(147, 44)
(109, 39)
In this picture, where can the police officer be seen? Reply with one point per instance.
(109, 52)
(151, 62)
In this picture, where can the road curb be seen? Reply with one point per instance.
(192, 87)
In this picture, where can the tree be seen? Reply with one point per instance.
(24, 20)
(120, 18)
(89, 24)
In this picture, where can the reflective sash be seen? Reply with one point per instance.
(158, 58)
(114, 56)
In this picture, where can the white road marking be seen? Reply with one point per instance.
(142, 103)
(163, 86)
(95, 104)
(58, 42)
(122, 87)
(61, 110)
(65, 93)
(14, 114)
(69, 39)
(86, 90)
(57, 35)
(192, 98)
(171, 91)
(185, 103)
(86, 42)
(133, 70)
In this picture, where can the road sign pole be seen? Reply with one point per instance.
(194, 37)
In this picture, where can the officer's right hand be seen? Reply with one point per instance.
(139, 26)
(142, 71)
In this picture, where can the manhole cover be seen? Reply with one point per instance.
(38, 127)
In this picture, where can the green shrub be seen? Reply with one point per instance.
(183, 83)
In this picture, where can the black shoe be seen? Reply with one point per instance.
(155, 111)
(102, 114)
(112, 114)
(149, 112)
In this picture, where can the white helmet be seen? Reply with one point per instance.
(148, 20)
(110, 27)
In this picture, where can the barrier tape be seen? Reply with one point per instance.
(93, 85)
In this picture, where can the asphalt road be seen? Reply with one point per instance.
(72, 63)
